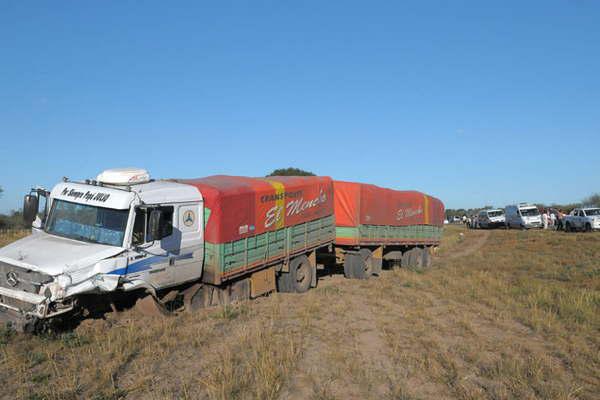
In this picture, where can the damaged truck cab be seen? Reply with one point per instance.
(122, 231)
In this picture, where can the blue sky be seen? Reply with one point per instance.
(474, 102)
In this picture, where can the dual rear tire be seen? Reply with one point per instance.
(359, 265)
(417, 258)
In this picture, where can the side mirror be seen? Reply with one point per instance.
(154, 225)
(30, 209)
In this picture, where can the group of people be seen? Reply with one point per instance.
(552, 218)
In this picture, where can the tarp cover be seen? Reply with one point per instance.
(241, 207)
(364, 204)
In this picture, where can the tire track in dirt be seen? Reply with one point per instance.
(470, 246)
(326, 369)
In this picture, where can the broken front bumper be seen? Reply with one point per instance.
(21, 309)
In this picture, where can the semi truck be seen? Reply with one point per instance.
(184, 244)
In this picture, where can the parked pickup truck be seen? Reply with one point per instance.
(582, 219)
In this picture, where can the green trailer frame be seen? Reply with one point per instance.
(226, 261)
(388, 235)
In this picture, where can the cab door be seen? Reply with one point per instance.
(176, 255)
(186, 244)
(580, 219)
(150, 259)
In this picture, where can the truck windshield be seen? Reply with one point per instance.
(87, 223)
(529, 212)
(495, 213)
(592, 211)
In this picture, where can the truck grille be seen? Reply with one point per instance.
(17, 278)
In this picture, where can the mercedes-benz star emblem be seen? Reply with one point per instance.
(12, 278)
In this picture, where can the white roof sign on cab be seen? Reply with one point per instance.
(93, 195)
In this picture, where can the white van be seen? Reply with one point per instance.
(491, 219)
(523, 216)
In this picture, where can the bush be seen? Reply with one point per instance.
(290, 171)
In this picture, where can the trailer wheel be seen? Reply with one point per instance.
(405, 261)
(358, 265)
(299, 277)
(426, 256)
(418, 258)
(414, 258)
(364, 269)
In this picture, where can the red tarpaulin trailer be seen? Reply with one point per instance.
(368, 206)
(364, 204)
(239, 207)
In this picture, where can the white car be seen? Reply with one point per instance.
(583, 219)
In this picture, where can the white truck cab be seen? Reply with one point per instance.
(491, 218)
(583, 219)
(523, 216)
(122, 231)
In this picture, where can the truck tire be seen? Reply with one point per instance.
(568, 227)
(366, 267)
(427, 259)
(418, 258)
(588, 227)
(406, 259)
(359, 265)
(413, 258)
(299, 277)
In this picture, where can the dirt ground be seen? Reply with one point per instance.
(500, 315)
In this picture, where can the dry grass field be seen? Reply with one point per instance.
(500, 315)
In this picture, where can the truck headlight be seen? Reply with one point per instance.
(64, 281)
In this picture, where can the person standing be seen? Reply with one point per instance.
(545, 218)
(553, 219)
(559, 219)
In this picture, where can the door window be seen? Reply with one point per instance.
(140, 224)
